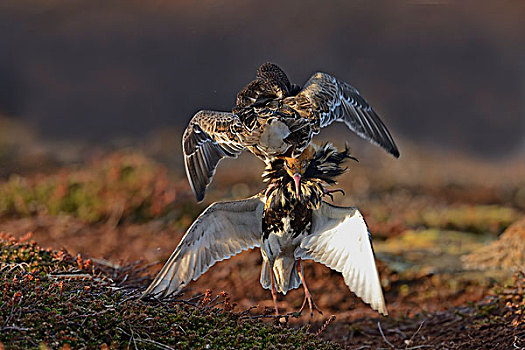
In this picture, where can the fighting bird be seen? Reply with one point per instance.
(274, 118)
(290, 222)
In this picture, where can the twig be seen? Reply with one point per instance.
(409, 342)
(86, 316)
(245, 312)
(215, 304)
(15, 328)
(159, 345)
(321, 330)
(261, 316)
(186, 303)
(291, 314)
(76, 276)
(209, 304)
(398, 331)
(383, 335)
(14, 266)
(515, 343)
(195, 297)
(150, 341)
(133, 337)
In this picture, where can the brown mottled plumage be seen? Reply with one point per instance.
(274, 118)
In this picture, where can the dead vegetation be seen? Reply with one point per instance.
(506, 252)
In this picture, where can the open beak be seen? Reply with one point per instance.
(297, 179)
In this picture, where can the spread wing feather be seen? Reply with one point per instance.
(325, 100)
(208, 139)
(340, 240)
(224, 229)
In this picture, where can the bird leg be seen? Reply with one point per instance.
(329, 193)
(274, 295)
(307, 295)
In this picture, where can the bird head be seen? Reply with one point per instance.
(304, 177)
(276, 77)
(296, 167)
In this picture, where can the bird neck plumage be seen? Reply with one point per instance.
(324, 167)
(283, 195)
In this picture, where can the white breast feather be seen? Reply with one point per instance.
(273, 135)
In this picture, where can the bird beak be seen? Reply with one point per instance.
(297, 179)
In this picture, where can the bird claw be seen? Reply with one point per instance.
(311, 305)
(329, 193)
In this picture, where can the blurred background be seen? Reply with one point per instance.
(95, 95)
(446, 74)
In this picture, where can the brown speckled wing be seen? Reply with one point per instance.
(209, 137)
(324, 99)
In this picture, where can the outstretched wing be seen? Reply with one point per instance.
(207, 139)
(340, 240)
(224, 229)
(324, 99)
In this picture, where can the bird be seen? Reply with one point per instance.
(289, 222)
(273, 118)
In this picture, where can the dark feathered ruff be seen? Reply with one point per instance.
(324, 167)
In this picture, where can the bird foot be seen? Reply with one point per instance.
(329, 193)
(276, 310)
(311, 305)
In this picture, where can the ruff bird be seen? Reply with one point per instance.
(274, 118)
(290, 222)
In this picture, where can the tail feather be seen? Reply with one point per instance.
(285, 272)
(266, 278)
(295, 280)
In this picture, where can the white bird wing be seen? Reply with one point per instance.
(208, 138)
(340, 239)
(224, 229)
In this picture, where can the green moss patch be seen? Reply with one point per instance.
(468, 218)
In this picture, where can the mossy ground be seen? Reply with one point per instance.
(53, 299)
